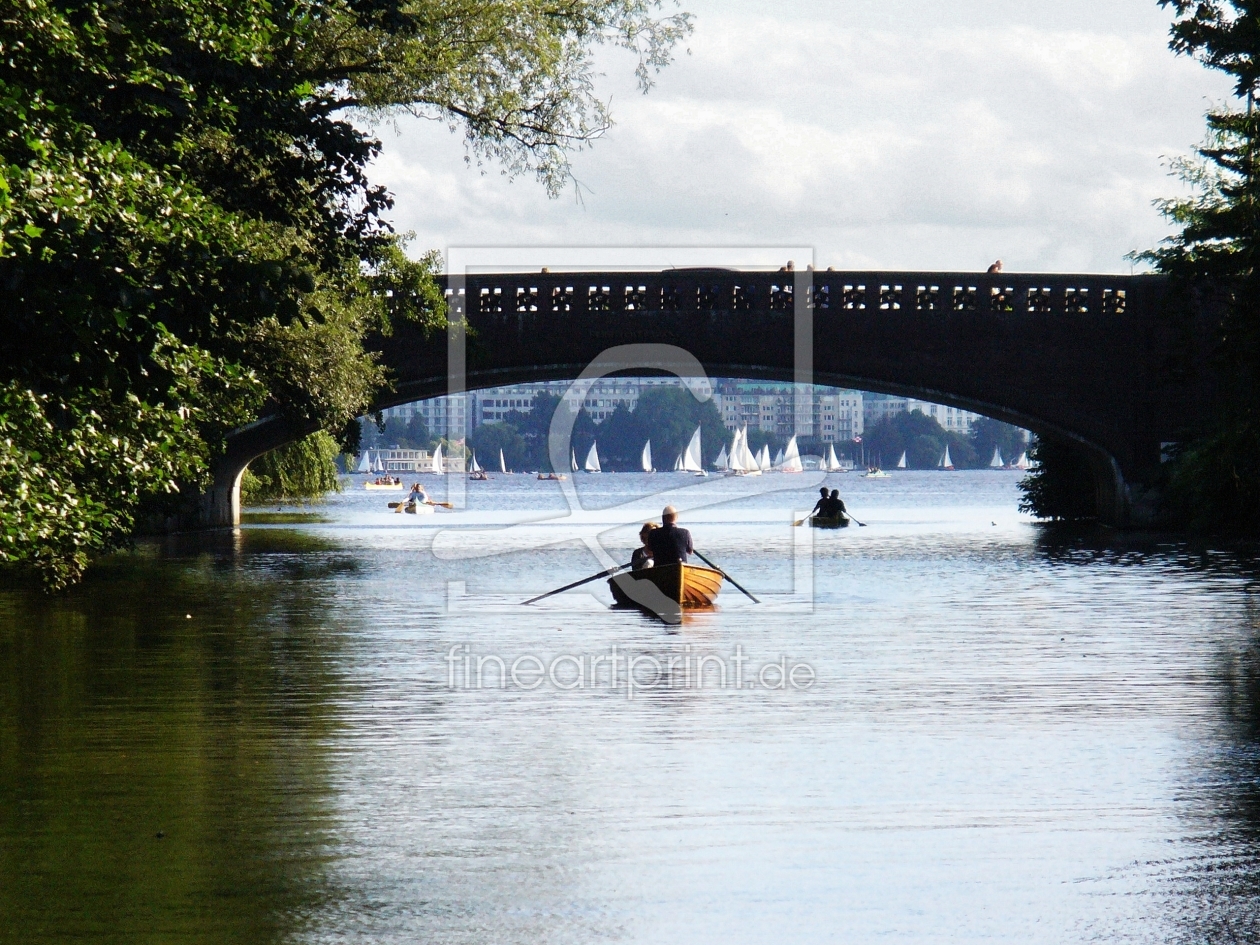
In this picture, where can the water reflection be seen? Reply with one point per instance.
(163, 750)
(1015, 735)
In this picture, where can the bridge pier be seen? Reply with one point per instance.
(220, 506)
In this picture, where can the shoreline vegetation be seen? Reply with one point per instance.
(190, 238)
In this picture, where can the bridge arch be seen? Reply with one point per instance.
(1107, 362)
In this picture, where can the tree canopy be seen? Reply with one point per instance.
(189, 236)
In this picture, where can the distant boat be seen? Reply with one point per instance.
(475, 472)
(833, 464)
(722, 462)
(1021, 463)
(378, 466)
(945, 462)
(743, 463)
(365, 463)
(792, 457)
(438, 468)
(475, 467)
(592, 460)
(901, 463)
(502, 464)
(573, 460)
(691, 459)
(778, 459)
(646, 459)
(678, 463)
(996, 461)
(876, 473)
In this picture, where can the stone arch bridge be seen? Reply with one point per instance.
(1107, 361)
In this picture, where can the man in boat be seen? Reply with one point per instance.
(836, 505)
(642, 556)
(669, 543)
(821, 506)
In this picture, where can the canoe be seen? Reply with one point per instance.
(820, 522)
(671, 586)
(383, 488)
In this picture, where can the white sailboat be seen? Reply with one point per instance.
(592, 460)
(792, 457)
(763, 458)
(646, 459)
(678, 463)
(1022, 462)
(573, 460)
(438, 468)
(474, 467)
(778, 459)
(691, 459)
(901, 463)
(833, 464)
(742, 461)
(502, 464)
(722, 462)
(365, 463)
(996, 461)
(945, 462)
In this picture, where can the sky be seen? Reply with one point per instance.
(861, 134)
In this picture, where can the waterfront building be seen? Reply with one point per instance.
(826, 414)
(877, 407)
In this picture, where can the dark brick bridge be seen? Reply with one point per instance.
(1107, 361)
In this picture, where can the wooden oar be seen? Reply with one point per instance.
(569, 587)
(727, 576)
(399, 505)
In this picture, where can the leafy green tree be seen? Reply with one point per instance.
(1215, 480)
(1062, 484)
(988, 434)
(189, 236)
(670, 415)
(922, 439)
(300, 471)
(489, 438)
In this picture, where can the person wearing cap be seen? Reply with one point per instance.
(669, 543)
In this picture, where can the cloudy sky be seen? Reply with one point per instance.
(898, 134)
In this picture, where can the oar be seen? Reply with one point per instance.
(445, 505)
(727, 576)
(569, 587)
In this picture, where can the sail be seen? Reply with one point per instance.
(592, 460)
(778, 458)
(901, 463)
(502, 464)
(365, 463)
(1022, 462)
(722, 462)
(437, 466)
(946, 462)
(763, 458)
(678, 463)
(747, 461)
(573, 460)
(691, 459)
(792, 457)
(474, 467)
(833, 464)
(996, 461)
(646, 459)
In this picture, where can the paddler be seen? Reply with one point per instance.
(669, 543)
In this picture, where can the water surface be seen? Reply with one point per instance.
(266, 736)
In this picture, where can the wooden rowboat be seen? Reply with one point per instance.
(668, 588)
(382, 487)
(819, 522)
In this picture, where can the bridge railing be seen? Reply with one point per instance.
(774, 293)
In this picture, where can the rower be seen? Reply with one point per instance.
(669, 543)
(642, 556)
(821, 506)
(836, 505)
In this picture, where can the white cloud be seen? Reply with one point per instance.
(907, 141)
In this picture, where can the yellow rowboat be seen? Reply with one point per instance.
(379, 487)
(668, 588)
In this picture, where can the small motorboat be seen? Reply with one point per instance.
(668, 589)
(876, 473)
(381, 486)
(840, 521)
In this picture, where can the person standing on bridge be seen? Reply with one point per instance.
(669, 543)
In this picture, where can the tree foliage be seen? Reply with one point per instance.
(921, 438)
(1062, 484)
(188, 233)
(300, 471)
(1214, 253)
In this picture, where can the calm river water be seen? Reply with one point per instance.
(989, 734)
